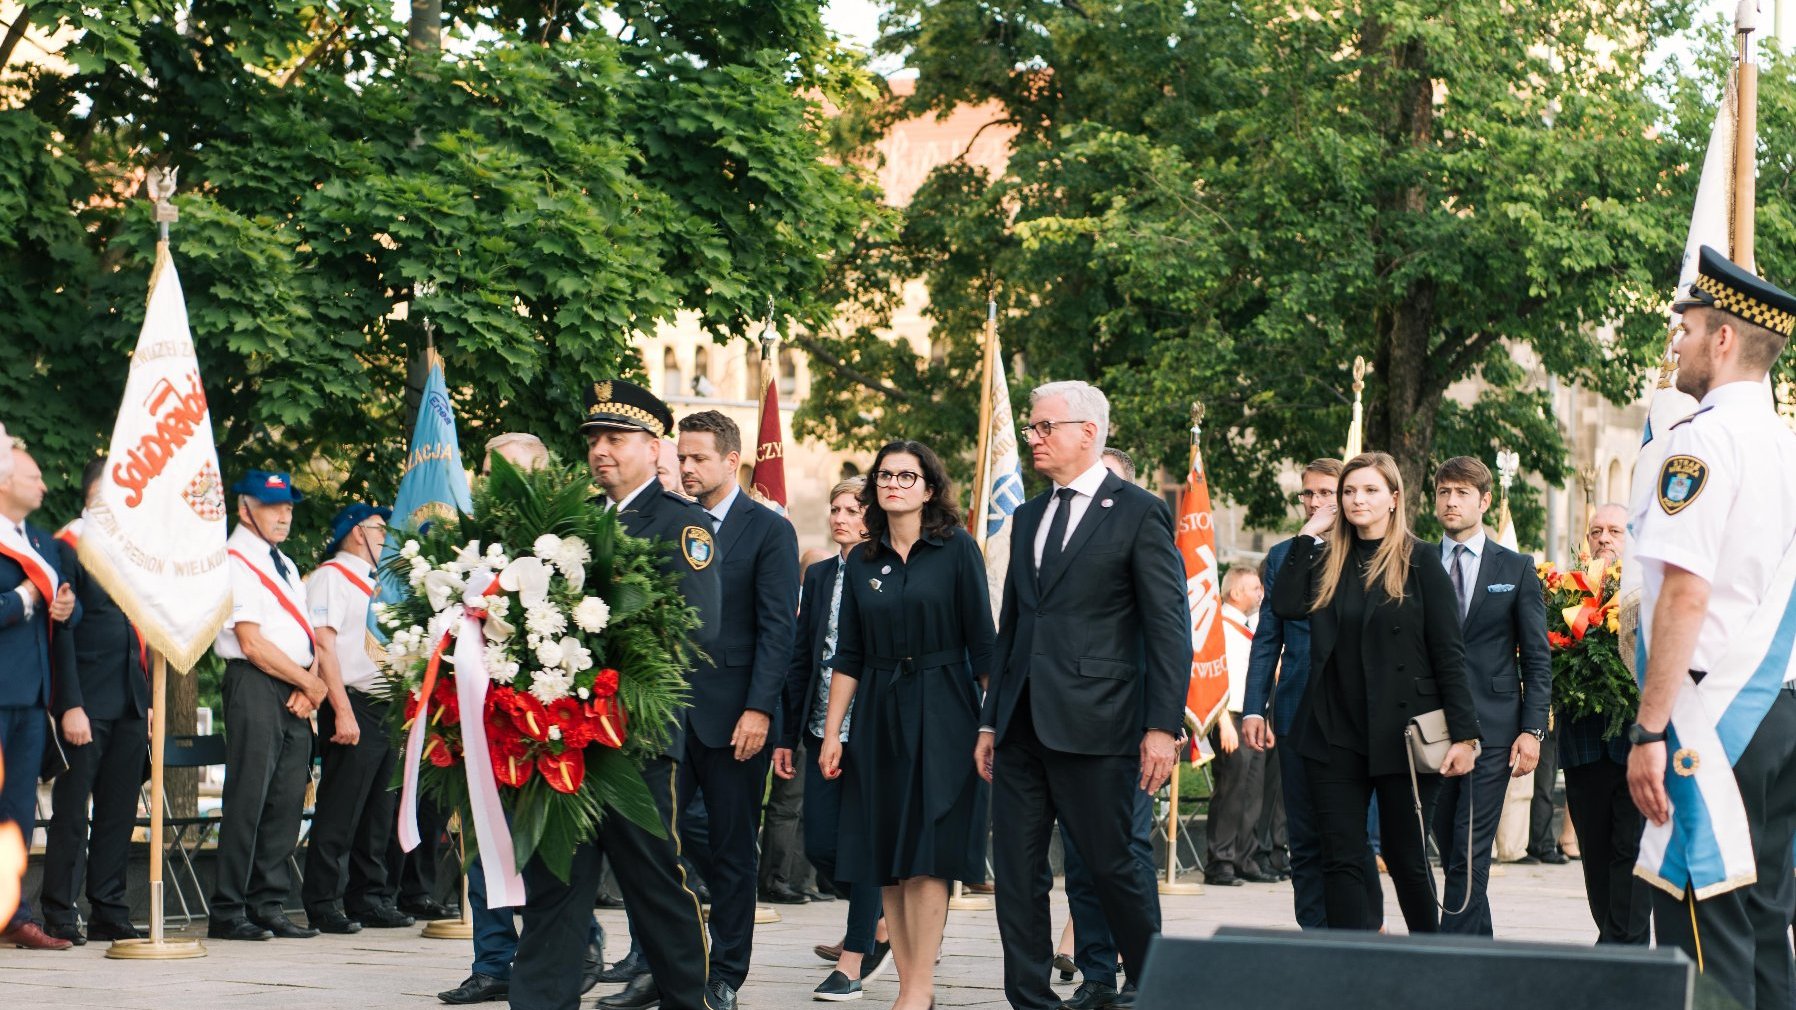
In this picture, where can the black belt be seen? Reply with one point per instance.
(945, 657)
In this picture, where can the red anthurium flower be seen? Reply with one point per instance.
(569, 716)
(606, 722)
(512, 768)
(437, 752)
(565, 771)
(411, 707)
(444, 705)
(604, 683)
(531, 718)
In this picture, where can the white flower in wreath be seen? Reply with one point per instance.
(495, 556)
(467, 557)
(419, 569)
(444, 623)
(529, 578)
(546, 621)
(496, 628)
(498, 603)
(549, 654)
(410, 550)
(472, 595)
(575, 578)
(546, 546)
(574, 656)
(550, 685)
(573, 555)
(555, 732)
(441, 588)
(499, 665)
(592, 614)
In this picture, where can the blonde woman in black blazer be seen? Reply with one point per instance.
(1384, 648)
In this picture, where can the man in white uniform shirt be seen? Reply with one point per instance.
(346, 885)
(1240, 771)
(271, 689)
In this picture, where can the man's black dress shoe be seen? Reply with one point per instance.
(1257, 876)
(329, 920)
(609, 901)
(628, 970)
(783, 895)
(65, 931)
(1091, 996)
(1225, 878)
(285, 928)
(1125, 1000)
(722, 996)
(428, 910)
(593, 968)
(382, 917)
(640, 994)
(236, 929)
(477, 988)
(114, 931)
(817, 894)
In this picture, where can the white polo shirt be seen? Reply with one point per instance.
(339, 593)
(1237, 644)
(281, 620)
(1723, 508)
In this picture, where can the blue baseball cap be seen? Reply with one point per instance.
(349, 518)
(270, 487)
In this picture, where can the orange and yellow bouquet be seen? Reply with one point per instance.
(1583, 624)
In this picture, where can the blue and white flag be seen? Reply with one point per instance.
(434, 485)
(1003, 490)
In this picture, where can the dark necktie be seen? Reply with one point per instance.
(1459, 579)
(280, 566)
(1050, 551)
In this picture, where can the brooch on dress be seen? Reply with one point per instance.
(875, 583)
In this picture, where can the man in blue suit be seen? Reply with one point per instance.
(1281, 657)
(35, 602)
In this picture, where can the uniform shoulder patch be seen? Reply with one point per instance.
(696, 544)
(1681, 479)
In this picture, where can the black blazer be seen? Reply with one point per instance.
(812, 629)
(1103, 638)
(758, 554)
(1411, 650)
(1509, 667)
(100, 671)
(682, 528)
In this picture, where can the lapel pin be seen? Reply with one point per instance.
(875, 583)
(887, 570)
(1107, 502)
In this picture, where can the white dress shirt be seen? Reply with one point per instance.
(1473, 547)
(722, 510)
(338, 604)
(1237, 646)
(251, 602)
(1085, 487)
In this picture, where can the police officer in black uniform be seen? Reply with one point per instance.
(623, 425)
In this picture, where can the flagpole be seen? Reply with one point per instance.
(769, 337)
(1172, 884)
(982, 466)
(1745, 135)
(158, 947)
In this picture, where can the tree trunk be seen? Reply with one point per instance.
(182, 785)
(426, 28)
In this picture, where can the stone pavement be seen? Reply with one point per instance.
(399, 970)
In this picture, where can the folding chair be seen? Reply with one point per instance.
(186, 752)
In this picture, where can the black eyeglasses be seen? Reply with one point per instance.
(903, 478)
(1043, 429)
(1307, 495)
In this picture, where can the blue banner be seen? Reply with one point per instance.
(434, 485)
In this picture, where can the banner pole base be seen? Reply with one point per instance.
(156, 947)
(764, 915)
(462, 927)
(1180, 887)
(961, 901)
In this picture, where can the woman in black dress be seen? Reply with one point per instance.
(1384, 648)
(915, 640)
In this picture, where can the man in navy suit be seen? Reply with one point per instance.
(35, 601)
(1503, 620)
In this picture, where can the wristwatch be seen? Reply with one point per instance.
(1638, 734)
(1539, 735)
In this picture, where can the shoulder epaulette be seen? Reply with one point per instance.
(1700, 411)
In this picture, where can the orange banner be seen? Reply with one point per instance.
(1209, 689)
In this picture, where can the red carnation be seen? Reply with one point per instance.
(437, 752)
(570, 717)
(606, 722)
(411, 707)
(1557, 640)
(565, 771)
(604, 683)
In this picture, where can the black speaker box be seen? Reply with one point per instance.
(1265, 969)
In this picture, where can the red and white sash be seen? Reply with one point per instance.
(280, 596)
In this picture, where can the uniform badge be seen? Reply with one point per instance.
(696, 544)
(1680, 481)
(1685, 762)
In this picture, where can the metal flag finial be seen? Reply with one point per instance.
(770, 334)
(160, 183)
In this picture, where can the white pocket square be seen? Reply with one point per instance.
(1501, 587)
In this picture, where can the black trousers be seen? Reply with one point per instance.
(664, 913)
(783, 862)
(1472, 801)
(107, 771)
(412, 876)
(1033, 786)
(356, 814)
(1272, 837)
(1741, 938)
(732, 792)
(268, 757)
(1341, 791)
(1233, 823)
(1609, 826)
(1542, 841)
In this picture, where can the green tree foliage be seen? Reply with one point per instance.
(567, 175)
(1228, 202)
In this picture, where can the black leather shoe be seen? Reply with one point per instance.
(1528, 860)
(383, 917)
(1091, 996)
(1124, 1000)
(428, 910)
(329, 920)
(1064, 965)
(629, 969)
(640, 994)
(1223, 878)
(817, 894)
(65, 931)
(593, 968)
(1255, 876)
(114, 931)
(722, 996)
(285, 928)
(477, 988)
(1555, 858)
(783, 895)
(236, 929)
(609, 901)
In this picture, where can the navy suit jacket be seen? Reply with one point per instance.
(1274, 636)
(749, 656)
(807, 650)
(25, 643)
(1508, 664)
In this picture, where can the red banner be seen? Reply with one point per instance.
(1209, 689)
(770, 450)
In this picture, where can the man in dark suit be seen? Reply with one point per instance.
(622, 424)
(736, 691)
(1087, 691)
(1503, 621)
(101, 703)
(35, 603)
